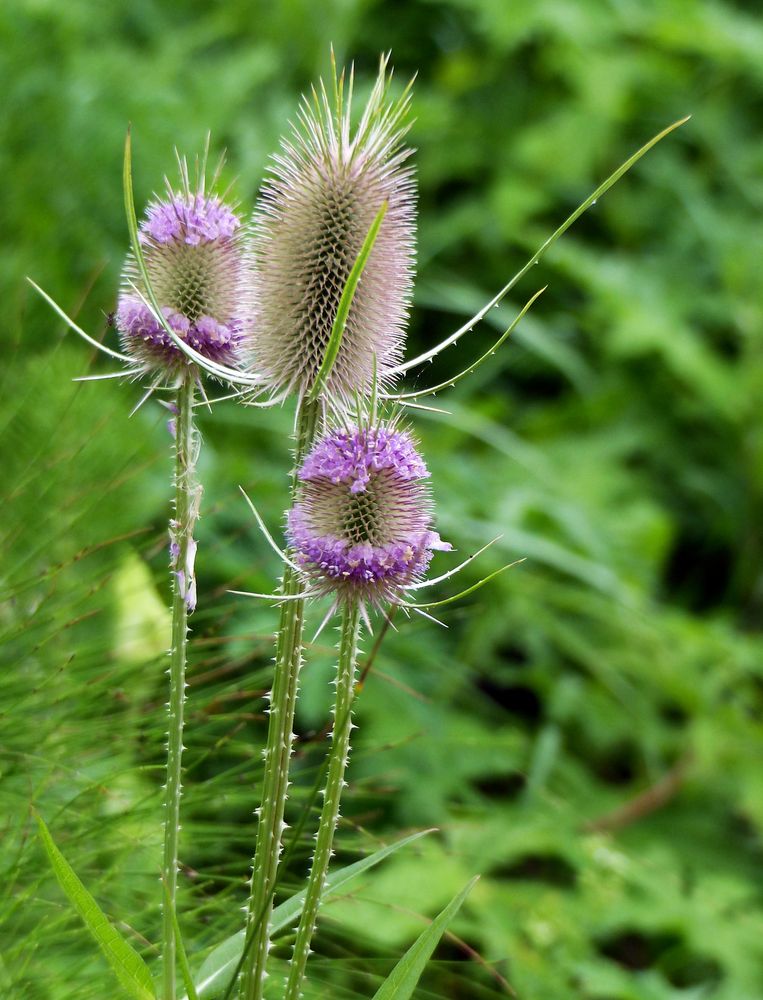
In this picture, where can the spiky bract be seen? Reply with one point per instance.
(361, 526)
(324, 190)
(198, 258)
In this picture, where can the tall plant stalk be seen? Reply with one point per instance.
(182, 549)
(340, 748)
(283, 699)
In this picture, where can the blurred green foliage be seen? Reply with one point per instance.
(587, 733)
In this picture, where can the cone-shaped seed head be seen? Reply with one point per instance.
(361, 527)
(324, 190)
(199, 262)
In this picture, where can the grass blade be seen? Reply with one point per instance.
(129, 968)
(402, 981)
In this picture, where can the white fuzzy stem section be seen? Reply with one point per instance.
(340, 749)
(182, 551)
(275, 782)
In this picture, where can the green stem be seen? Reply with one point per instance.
(187, 496)
(340, 749)
(283, 700)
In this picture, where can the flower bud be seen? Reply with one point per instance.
(324, 190)
(361, 527)
(199, 263)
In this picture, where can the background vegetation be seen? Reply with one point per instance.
(587, 733)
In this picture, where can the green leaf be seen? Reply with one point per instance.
(129, 968)
(402, 981)
(343, 309)
(214, 974)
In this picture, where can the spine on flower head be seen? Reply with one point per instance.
(198, 257)
(361, 527)
(325, 189)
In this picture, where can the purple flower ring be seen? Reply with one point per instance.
(361, 527)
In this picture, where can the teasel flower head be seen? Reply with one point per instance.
(361, 526)
(324, 190)
(198, 257)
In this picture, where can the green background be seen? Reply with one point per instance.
(586, 734)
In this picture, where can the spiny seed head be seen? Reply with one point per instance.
(198, 257)
(324, 190)
(361, 527)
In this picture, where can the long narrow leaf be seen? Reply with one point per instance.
(129, 968)
(343, 309)
(402, 981)
(215, 973)
(602, 189)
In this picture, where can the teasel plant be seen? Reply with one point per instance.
(334, 238)
(189, 270)
(191, 258)
(360, 534)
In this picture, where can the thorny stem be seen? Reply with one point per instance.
(340, 748)
(182, 552)
(275, 783)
